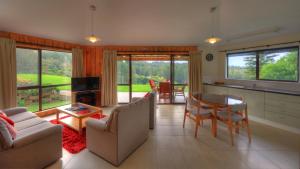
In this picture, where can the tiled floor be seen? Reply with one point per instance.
(171, 146)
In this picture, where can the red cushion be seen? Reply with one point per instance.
(7, 119)
(147, 95)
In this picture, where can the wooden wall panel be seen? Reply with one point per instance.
(93, 60)
(147, 49)
(32, 41)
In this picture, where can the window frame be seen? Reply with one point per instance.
(39, 85)
(257, 69)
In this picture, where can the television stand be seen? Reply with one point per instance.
(89, 97)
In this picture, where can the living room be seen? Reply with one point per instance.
(149, 84)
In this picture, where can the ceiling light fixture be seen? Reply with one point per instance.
(213, 39)
(92, 38)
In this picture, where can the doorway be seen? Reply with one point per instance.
(169, 73)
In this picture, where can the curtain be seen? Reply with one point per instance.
(77, 62)
(109, 79)
(195, 75)
(8, 73)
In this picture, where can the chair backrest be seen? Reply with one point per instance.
(191, 103)
(238, 107)
(152, 84)
(164, 87)
(131, 124)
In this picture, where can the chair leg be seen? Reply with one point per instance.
(213, 127)
(197, 125)
(201, 123)
(237, 128)
(248, 131)
(230, 132)
(214, 121)
(184, 118)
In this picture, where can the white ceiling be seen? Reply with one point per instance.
(147, 22)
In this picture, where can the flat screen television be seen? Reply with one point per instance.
(85, 83)
(92, 83)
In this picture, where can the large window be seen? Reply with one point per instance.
(43, 78)
(272, 64)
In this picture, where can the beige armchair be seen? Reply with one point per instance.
(115, 137)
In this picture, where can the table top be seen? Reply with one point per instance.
(218, 100)
(88, 111)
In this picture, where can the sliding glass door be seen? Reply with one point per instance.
(43, 78)
(169, 73)
(180, 65)
(149, 67)
(123, 79)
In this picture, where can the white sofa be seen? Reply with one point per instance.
(38, 142)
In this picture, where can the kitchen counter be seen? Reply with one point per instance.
(279, 91)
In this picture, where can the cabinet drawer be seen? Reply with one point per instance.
(283, 119)
(283, 97)
(288, 105)
(215, 89)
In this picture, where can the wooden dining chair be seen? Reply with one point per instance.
(235, 116)
(164, 90)
(198, 112)
(179, 91)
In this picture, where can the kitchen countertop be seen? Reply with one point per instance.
(279, 91)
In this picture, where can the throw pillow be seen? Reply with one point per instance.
(7, 119)
(12, 131)
(2, 113)
(6, 139)
(147, 95)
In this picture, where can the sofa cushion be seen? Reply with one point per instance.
(22, 116)
(6, 140)
(28, 123)
(33, 129)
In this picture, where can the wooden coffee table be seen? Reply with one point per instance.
(77, 116)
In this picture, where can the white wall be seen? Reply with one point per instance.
(215, 70)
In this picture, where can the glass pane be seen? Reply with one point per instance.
(28, 98)
(123, 70)
(242, 66)
(55, 96)
(123, 94)
(279, 64)
(181, 69)
(180, 78)
(146, 67)
(56, 67)
(27, 67)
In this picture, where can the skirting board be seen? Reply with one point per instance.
(274, 124)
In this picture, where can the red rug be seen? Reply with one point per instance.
(73, 142)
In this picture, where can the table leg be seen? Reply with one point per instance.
(80, 126)
(57, 116)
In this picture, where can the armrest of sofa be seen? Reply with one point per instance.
(15, 110)
(97, 124)
(28, 139)
(134, 99)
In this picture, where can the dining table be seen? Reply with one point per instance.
(217, 102)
